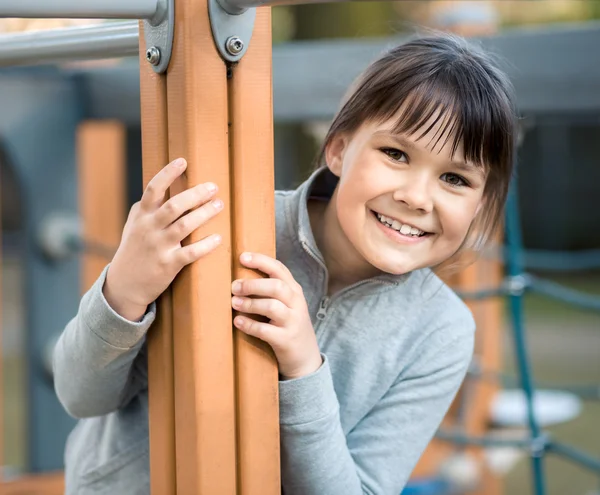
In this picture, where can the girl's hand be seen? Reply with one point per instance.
(280, 299)
(150, 254)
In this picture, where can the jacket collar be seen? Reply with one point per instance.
(321, 186)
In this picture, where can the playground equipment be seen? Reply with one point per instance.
(197, 129)
(217, 386)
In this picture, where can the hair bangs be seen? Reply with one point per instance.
(459, 116)
(426, 108)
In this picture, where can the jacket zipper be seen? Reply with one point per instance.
(326, 300)
(322, 313)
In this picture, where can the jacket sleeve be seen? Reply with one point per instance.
(378, 455)
(97, 363)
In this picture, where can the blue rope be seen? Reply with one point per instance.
(560, 261)
(514, 268)
(526, 282)
(514, 287)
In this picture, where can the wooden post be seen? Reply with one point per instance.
(101, 157)
(253, 220)
(215, 417)
(203, 340)
(161, 401)
(1, 352)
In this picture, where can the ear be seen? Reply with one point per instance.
(334, 153)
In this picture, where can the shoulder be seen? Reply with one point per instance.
(437, 300)
(442, 315)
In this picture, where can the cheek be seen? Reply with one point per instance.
(457, 220)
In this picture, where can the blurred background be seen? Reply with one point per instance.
(558, 193)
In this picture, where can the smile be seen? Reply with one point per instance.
(402, 228)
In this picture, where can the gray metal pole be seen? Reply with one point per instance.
(238, 6)
(82, 9)
(119, 39)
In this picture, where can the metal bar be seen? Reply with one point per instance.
(88, 9)
(87, 42)
(238, 6)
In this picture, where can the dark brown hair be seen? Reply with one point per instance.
(444, 78)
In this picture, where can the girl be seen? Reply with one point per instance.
(371, 345)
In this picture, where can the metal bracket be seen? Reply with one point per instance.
(231, 32)
(158, 34)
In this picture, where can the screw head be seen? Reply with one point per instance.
(234, 45)
(153, 55)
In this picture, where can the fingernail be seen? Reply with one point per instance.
(236, 302)
(246, 257)
(239, 322)
(180, 162)
(236, 286)
(217, 239)
(211, 187)
(218, 204)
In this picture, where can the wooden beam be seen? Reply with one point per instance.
(253, 222)
(101, 162)
(161, 401)
(39, 484)
(2, 424)
(205, 432)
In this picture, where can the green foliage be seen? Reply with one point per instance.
(345, 20)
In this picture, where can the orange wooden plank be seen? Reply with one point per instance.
(161, 415)
(1, 359)
(253, 219)
(101, 156)
(203, 339)
(41, 484)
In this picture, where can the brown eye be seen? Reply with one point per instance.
(395, 154)
(454, 180)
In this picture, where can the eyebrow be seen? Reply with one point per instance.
(411, 146)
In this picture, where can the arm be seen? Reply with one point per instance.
(379, 454)
(95, 365)
(94, 357)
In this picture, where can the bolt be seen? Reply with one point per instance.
(234, 45)
(153, 55)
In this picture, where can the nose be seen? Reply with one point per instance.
(415, 193)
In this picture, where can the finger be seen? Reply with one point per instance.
(264, 287)
(263, 331)
(269, 266)
(194, 219)
(155, 191)
(187, 254)
(185, 201)
(270, 308)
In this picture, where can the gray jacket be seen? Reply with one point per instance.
(396, 349)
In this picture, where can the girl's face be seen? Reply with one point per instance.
(402, 203)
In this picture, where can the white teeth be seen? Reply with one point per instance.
(396, 225)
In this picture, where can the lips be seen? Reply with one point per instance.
(404, 228)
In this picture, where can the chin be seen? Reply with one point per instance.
(395, 267)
